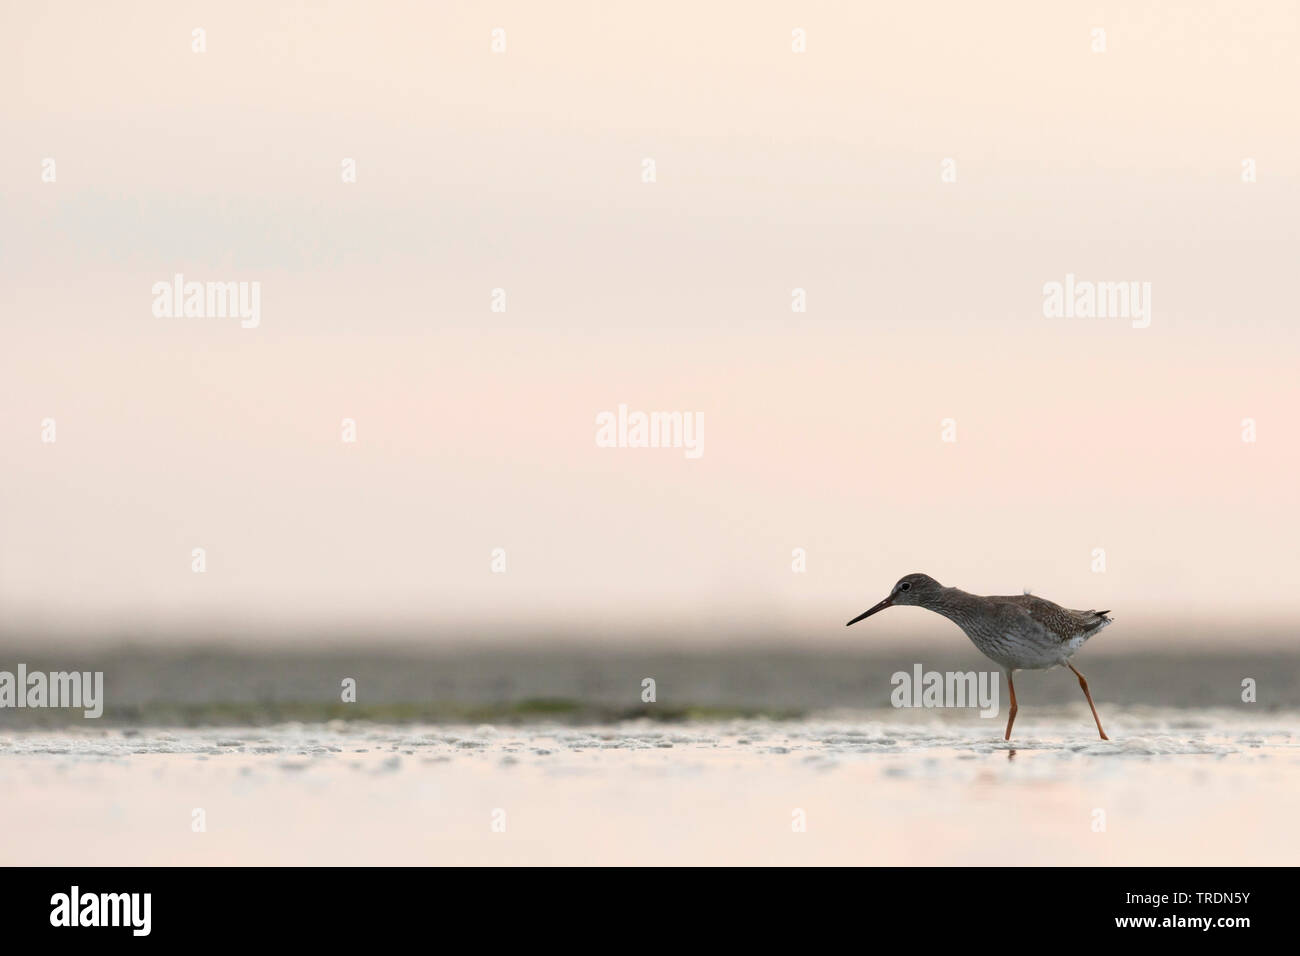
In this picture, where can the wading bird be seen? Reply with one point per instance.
(1018, 632)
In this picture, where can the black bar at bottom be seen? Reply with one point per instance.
(331, 906)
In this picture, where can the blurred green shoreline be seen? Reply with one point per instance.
(268, 713)
(149, 686)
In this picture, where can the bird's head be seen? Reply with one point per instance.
(911, 589)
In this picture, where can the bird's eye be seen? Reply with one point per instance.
(905, 586)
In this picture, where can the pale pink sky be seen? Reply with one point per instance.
(522, 170)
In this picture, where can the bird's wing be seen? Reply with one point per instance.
(1064, 622)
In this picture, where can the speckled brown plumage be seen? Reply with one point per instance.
(1062, 622)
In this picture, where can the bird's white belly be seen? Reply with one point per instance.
(1017, 653)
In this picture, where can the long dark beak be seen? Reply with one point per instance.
(887, 602)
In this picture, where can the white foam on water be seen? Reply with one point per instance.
(1173, 786)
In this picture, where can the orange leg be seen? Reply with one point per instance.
(1084, 684)
(1011, 717)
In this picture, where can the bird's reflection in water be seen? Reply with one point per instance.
(1011, 755)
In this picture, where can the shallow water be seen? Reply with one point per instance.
(1172, 786)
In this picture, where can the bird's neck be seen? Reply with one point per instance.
(956, 605)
